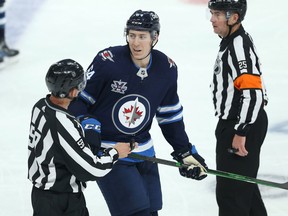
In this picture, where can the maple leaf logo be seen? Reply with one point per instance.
(133, 113)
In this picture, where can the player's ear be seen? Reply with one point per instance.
(154, 36)
(233, 18)
(73, 92)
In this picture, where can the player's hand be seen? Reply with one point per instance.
(92, 131)
(197, 168)
(123, 149)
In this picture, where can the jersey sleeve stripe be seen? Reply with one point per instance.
(169, 109)
(81, 162)
(177, 117)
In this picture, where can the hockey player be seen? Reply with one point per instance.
(239, 97)
(60, 160)
(126, 87)
(6, 54)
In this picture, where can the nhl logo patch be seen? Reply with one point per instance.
(217, 67)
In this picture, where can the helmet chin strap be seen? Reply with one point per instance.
(228, 15)
(229, 26)
(230, 29)
(152, 46)
(72, 98)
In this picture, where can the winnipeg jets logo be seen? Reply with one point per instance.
(171, 63)
(106, 55)
(119, 86)
(131, 113)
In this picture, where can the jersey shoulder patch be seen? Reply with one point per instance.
(164, 59)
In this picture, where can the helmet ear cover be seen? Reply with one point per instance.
(63, 76)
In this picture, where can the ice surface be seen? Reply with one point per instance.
(47, 31)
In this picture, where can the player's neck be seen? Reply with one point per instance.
(142, 63)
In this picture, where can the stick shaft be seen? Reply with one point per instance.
(213, 172)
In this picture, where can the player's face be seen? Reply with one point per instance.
(139, 43)
(219, 22)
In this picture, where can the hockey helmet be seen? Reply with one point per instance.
(143, 21)
(238, 6)
(64, 75)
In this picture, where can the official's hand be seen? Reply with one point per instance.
(239, 144)
(197, 168)
(123, 149)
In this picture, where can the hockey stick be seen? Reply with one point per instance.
(213, 172)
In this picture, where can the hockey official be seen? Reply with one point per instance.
(239, 97)
(60, 158)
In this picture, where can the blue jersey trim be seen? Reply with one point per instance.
(86, 97)
(175, 118)
(169, 109)
(149, 153)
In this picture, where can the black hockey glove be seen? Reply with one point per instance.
(92, 131)
(197, 167)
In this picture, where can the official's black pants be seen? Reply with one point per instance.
(49, 203)
(236, 198)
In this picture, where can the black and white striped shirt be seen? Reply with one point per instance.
(58, 158)
(237, 88)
